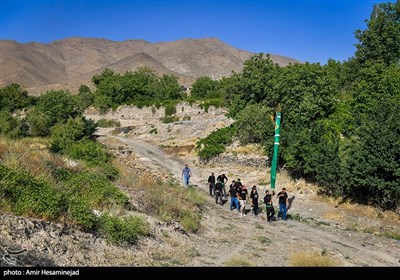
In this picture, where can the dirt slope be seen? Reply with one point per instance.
(228, 239)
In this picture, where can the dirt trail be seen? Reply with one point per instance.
(228, 239)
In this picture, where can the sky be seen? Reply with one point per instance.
(310, 30)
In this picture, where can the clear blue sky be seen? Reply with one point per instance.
(305, 30)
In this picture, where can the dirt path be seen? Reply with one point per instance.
(228, 239)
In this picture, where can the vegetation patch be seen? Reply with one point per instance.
(124, 230)
(313, 259)
(215, 143)
(108, 123)
(237, 261)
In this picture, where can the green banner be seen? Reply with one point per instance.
(276, 148)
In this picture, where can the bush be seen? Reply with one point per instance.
(64, 136)
(12, 127)
(26, 195)
(153, 130)
(169, 109)
(123, 230)
(169, 119)
(108, 123)
(81, 213)
(190, 221)
(89, 151)
(214, 144)
(95, 189)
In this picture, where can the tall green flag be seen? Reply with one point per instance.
(276, 148)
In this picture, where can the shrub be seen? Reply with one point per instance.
(214, 144)
(63, 136)
(89, 151)
(26, 195)
(123, 230)
(153, 130)
(170, 109)
(190, 221)
(169, 119)
(108, 123)
(12, 127)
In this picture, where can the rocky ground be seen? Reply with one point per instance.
(351, 235)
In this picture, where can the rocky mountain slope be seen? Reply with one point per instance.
(69, 62)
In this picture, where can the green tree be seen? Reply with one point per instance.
(12, 127)
(13, 97)
(381, 40)
(255, 84)
(168, 87)
(254, 124)
(105, 75)
(64, 135)
(85, 97)
(203, 87)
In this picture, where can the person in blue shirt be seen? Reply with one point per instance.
(186, 173)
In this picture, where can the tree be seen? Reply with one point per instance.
(85, 97)
(381, 40)
(203, 87)
(168, 87)
(51, 108)
(106, 74)
(64, 135)
(13, 97)
(254, 125)
(255, 84)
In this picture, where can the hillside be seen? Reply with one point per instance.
(69, 62)
(320, 230)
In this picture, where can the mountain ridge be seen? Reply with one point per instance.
(73, 61)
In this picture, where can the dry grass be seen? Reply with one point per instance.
(312, 259)
(237, 261)
(359, 210)
(166, 200)
(333, 215)
(250, 149)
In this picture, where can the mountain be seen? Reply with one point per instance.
(69, 62)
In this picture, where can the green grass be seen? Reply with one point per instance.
(264, 240)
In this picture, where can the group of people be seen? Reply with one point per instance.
(240, 196)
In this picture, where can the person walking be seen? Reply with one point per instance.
(211, 184)
(269, 205)
(186, 174)
(254, 200)
(233, 194)
(223, 179)
(243, 200)
(218, 192)
(283, 202)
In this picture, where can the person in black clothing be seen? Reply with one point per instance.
(211, 183)
(218, 192)
(269, 205)
(223, 179)
(243, 200)
(234, 199)
(238, 184)
(254, 200)
(283, 202)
